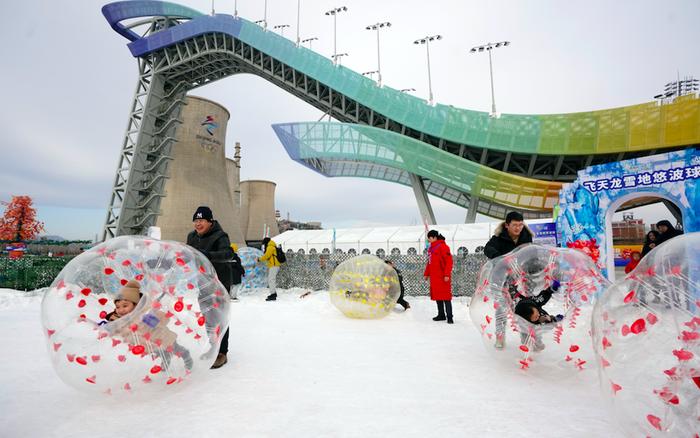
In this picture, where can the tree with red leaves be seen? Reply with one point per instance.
(19, 221)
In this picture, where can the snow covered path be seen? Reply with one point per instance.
(299, 368)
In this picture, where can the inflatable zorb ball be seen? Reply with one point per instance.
(255, 271)
(173, 332)
(364, 287)
(646, 334)
(562, 282)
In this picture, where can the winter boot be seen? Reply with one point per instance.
(271, 297)
(448, 311)
(220, 361)
(441, 311)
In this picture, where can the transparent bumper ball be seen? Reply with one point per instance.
(178, 315)
(255, 271)
(364, 287)
(532, 308)
(646, 334)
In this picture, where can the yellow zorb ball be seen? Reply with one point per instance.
(364, 287)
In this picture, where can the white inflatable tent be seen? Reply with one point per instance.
(390, 240)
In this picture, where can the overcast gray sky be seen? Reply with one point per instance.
(68, 81)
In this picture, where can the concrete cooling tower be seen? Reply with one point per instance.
(198, 173)
(258, 209)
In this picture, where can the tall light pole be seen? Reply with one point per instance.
(298, 11)
(336, 58)
(334, 12)
(235, 8)
(489, 47)
(264, 20)
(281, 27)
(309, 40)
(212, 8)
(426, 40)
(376, 27)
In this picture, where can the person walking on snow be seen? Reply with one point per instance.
(273, 266)
(209, 239)
(439, 271)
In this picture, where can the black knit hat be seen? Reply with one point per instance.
(203, 212)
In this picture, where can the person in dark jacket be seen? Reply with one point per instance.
(209, 239)
(650, 242)
(666, 231)
(509, 235)
(401, 301)
(237, 272)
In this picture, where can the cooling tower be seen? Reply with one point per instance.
(258, 209)
(198, 174)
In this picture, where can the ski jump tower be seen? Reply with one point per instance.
(484, 164)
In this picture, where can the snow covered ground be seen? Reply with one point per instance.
(299, 368)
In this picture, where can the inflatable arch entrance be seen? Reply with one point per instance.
(586, 206)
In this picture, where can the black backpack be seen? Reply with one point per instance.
(280, 254)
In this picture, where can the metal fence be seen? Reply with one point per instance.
(313, 271)
(308, 271)
(30, 272)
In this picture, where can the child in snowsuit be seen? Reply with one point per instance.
(635, 257)
(151, 327)
(531, 310)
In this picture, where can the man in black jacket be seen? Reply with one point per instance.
(509, 235)
(213, 242)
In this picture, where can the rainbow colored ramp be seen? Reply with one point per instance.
(513, 161)
(340, 149)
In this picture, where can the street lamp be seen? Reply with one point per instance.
(336, 58)
(376, 27)
(235, 8)
(370, 73)
(489, 47)
(281, 27)
(678, 88)
(212, 8)
(264, 20)
(334, 12)
(309, 40)
(426, 41)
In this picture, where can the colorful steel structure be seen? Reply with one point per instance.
(180, 49)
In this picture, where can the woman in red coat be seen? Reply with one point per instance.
(439, 269)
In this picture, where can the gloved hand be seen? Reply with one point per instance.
(555, 285)
(558, 317)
